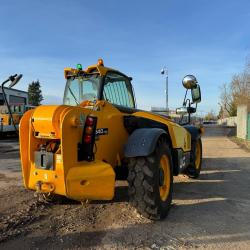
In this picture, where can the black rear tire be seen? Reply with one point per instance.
(193, 171)
(145, 181)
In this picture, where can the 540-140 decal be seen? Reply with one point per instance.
(101, 131)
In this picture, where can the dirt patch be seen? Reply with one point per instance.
(15, 224)
(5, 178)
(65, 224)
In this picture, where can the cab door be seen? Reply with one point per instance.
(118, 90)
(111, 133)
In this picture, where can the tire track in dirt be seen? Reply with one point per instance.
(12, 225)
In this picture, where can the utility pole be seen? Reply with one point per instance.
(164, 71)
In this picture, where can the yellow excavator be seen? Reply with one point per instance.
(79, 149)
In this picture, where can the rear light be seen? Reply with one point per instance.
(89, 130)
(87, 139)
(90, 121)
(85, 149)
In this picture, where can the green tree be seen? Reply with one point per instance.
(35, 93)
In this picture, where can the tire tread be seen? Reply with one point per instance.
(141, 181)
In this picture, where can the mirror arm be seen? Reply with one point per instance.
(181, 119)
(7, 103)
(189, 114)
(3, 83)
(184, 101)
(189, 102)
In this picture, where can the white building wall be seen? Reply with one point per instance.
(229, 121)
(240, 121)
(242, 111)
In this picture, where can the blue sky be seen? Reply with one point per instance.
(209, 39)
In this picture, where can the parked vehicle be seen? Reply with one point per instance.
(79, 149)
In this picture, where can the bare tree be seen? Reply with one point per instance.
(240, 88)
(236, 92)
(228, 102)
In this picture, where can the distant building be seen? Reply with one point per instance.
(175, 117)
(160, 111)
(171, 114)
(14, 97)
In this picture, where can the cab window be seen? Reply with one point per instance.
(80, 89)
(118, 90)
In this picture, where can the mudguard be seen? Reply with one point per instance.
(142, 142)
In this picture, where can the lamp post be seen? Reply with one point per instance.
(164, 71)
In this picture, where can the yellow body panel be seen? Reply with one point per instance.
(6, 120)
(47, 120)
(25, 138)
(48, 123)
(111, 118)
(91, 180)
(179, 136)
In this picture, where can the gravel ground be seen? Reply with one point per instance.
(212, 212)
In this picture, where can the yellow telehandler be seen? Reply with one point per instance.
(79, 149)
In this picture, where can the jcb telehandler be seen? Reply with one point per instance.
(79, 149)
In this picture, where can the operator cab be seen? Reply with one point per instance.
(98, 83)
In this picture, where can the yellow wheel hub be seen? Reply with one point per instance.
(198, 155)
(164, 178)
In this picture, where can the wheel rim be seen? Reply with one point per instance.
(198, 155)
(164, 178)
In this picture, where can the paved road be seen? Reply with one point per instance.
(220, 199)
(9, 163)
(209, 213)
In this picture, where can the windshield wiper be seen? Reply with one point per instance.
(71, 92)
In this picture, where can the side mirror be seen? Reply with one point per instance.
(189, 82)
(196, 94)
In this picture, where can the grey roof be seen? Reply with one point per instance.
(22, 91)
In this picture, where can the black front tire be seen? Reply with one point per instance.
(143, 179)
